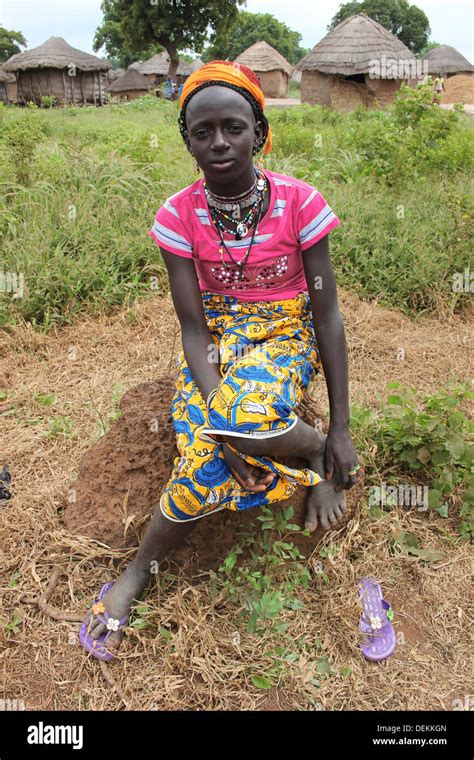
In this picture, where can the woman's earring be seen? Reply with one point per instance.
(260, 164)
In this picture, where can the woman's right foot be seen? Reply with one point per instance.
(118, 602)
(324, 505)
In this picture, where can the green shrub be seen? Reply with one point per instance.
(429, 439)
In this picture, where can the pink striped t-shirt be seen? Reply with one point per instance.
(297, 217)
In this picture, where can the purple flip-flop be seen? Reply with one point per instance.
(375, 621)
(96, 646)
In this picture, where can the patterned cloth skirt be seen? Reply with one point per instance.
(267, 355)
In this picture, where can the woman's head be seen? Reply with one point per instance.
(222, 119)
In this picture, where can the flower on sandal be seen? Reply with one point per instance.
(113, 624)
(375, 621)
(98, 608)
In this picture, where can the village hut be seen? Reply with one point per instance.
(114, 74)
(358, 63)
(7, 87)
(130, 85)
(156, 69)
(446, 61)
(456, 71)
(60, 71)
(269, 65)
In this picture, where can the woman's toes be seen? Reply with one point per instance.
(113, 642)
(332, 516)
(311, 519)
(325, 522)
(98, 631)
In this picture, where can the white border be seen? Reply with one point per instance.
(188, 519)
(258, 434)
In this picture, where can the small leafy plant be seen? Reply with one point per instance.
(266, 583)
(429, 439)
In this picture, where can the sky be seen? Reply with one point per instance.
(451, 21)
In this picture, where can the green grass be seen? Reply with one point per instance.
(79, 188)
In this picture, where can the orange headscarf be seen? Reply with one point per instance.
(234, 73)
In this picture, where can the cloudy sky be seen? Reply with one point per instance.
(451, 21)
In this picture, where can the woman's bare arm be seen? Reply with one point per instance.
(199, 349)
(329, 330)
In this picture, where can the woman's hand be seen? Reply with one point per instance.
(248, 476)
(340, 457)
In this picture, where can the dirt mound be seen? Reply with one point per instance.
(459, 89)
(121, 478)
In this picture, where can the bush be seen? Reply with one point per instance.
(430, 439)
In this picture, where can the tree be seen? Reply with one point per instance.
(427, 47)
(131, 27)
(10, 43)
(252, 27)
(405, 21)
(110, 35)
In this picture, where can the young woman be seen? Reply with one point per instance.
(252, 283)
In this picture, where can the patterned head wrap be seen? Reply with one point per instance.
(236, 77)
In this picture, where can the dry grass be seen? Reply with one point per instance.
(200, 667)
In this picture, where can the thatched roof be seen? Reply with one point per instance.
(6, 77)
(350, 47)
(130, 80)
(263, 57)
(445, 59)
(160, 64)
(115, 74)
(57, 54)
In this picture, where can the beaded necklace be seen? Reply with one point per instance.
(243, 226)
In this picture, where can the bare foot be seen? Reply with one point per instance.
(324, 505)
(118, 602)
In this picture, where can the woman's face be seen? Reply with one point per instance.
(222, 132)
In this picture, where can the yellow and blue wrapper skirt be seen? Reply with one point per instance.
(267, 354)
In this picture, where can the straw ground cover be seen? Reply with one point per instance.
(74, 219)
(183, 651)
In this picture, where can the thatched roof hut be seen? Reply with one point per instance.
(446, 60)
(271, 68)
(60, 71)
(114, 74)
(358, 63)
(156, 68)
(130, 85)
(7, 87)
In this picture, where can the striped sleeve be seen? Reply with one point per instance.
(315, 218)
(170, 232)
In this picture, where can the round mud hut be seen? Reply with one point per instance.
(156, 69)
(456, 71)
(269, 65)
(60, 71)
(358, 63)
(129, 85)
(446, 61)
(7, 87)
